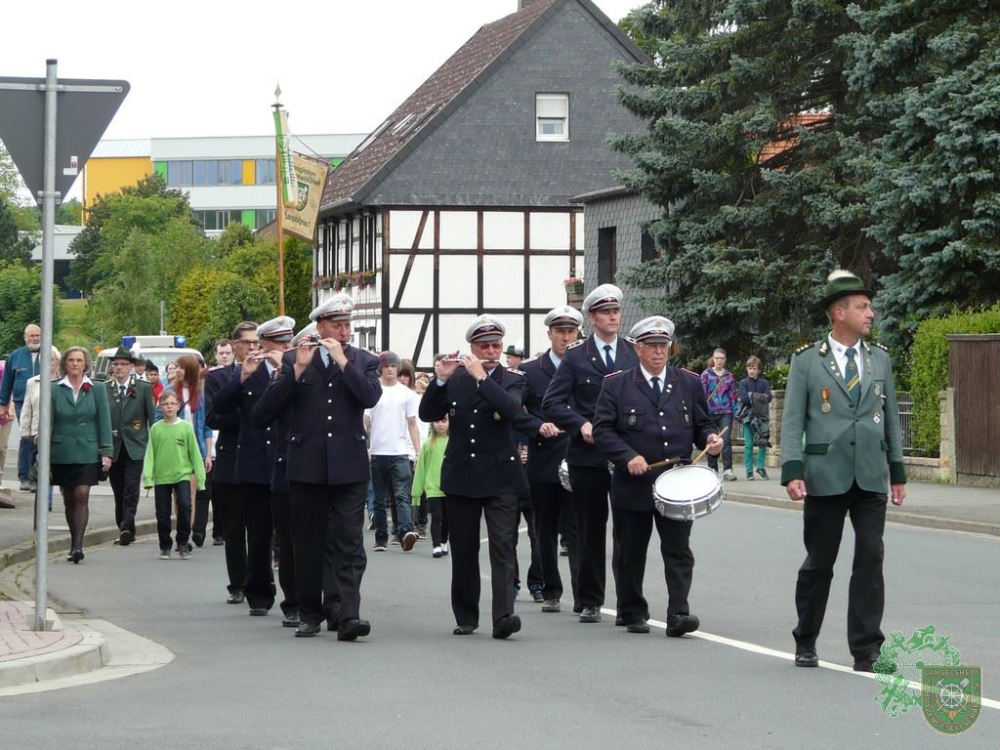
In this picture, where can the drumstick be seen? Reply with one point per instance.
(702, 454)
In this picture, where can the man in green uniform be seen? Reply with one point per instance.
(840, 452)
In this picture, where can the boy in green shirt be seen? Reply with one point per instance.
(172, 456)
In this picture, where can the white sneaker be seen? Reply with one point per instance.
(438, 552)
(444, 548)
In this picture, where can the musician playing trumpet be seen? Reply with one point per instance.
(482, 472)
(647, 414)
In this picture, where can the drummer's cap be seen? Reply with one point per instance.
(338, 307)
(563, 317)
(484, 329)
(653, 330)
(605, 297)
(281, 328)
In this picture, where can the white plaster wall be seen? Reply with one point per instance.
(459, 230)
(502, 230)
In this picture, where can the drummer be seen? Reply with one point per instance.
(647, 414)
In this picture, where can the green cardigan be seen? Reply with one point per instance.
(81, 430)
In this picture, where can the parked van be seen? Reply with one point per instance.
(158, 349)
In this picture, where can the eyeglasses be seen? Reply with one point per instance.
(252, 343)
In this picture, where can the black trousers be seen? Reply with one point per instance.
(125, 476)
(218, 508)
(634, 530)
(260, 527)
(535, 578)
(202, 499)
(464, 517)
(235, 534)
(315, 508)
(554, 511)
(591, 487)
(823, 527)
(439, 519)
(286, 560)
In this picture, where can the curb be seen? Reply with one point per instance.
(91, 653)
(893, 516)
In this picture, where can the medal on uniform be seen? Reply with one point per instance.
(451, 413)
(878, 389)
(137, 425)
(631, 420)
(877, 418)
(496, 416)
(825, 408)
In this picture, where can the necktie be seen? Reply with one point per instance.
(121, 391)
(656, 387)
(851, 376)
(607, 357)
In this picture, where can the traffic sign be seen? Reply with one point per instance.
(84, 110)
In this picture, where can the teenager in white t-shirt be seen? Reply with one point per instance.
(392, 427)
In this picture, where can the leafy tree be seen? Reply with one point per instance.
(748, 150)
(234, 300)
(235, 235)
(70, 213)
(10, 178)
(20, 303)
(146, 270)
(259, 261)
(190, 309)
(928, 75)
(13, 247)
(147, 206)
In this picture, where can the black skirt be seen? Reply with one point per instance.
(76, 475)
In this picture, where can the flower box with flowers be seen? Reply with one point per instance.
(574, 285)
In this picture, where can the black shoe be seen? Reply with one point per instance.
(867, 662)
(218, 541)
(351, 629)
(551, 605)
(639, 626)
(126, 538)
(506, 626)
(75, 556)
(290, 620)
(333, 626)
(237, 597)
(307, 629)
(619, 621)
(678, 625)
(464, 629)
(577, 608)
(198, 538)
(536, 594)
(258, 611)
(805, 656)
(590, 614)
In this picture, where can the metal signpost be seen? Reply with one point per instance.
(45, 122)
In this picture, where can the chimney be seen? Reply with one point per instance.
(522, 4)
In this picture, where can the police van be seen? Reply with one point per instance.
(158, 349)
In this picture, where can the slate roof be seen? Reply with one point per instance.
(400, 133)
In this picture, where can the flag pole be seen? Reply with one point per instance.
(280, 204)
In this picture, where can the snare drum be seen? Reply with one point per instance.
(687, 492)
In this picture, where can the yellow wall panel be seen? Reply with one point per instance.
(104, 176)
(248, 172)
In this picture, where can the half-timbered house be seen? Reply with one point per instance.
(459, 202)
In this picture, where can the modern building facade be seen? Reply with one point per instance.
(226, 178)
(459, 202)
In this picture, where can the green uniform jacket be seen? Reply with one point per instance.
(833, 446)
(131, 417)
(81, 431)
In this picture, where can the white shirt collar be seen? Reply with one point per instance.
(556, 359)
(662, 375)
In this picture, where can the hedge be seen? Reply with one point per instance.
(928, 369)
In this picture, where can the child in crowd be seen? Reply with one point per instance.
(172, 456)
(153, 376)
(427, 483)
(755, 395)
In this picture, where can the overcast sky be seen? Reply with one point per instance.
(210, 67)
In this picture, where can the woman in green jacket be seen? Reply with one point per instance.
(81, 444)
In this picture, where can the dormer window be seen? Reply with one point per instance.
(551, 117)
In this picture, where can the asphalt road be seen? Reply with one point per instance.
(242, 682)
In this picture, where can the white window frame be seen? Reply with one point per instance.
(551, 108)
